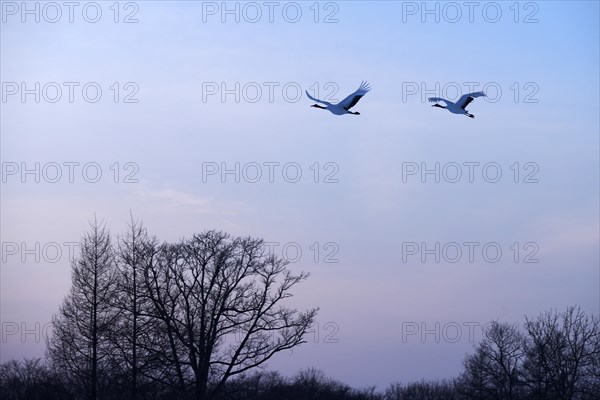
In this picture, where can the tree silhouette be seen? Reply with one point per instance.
(30, 379)
(562, 351)
(219, 302)
(79, 346)
(133, 334)
(493, 372)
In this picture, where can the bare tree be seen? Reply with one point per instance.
(260, 384)
(160, 284)
(474, 383)
(79, 345)
(493, 372)
(592, 373)
(562, 350)
(423, 390)
(30, 379)
(219, 302)
(135, 330)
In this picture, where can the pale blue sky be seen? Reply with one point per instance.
(370, 294)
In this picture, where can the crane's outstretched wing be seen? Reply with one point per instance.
(465, 99)
(436, 99)
(351, 100)
(317, 100)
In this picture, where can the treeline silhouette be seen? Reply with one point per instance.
(197, 319)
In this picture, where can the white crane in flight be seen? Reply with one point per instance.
(459, 106)
(344, 106)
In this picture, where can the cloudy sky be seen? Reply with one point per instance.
(418, 226)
